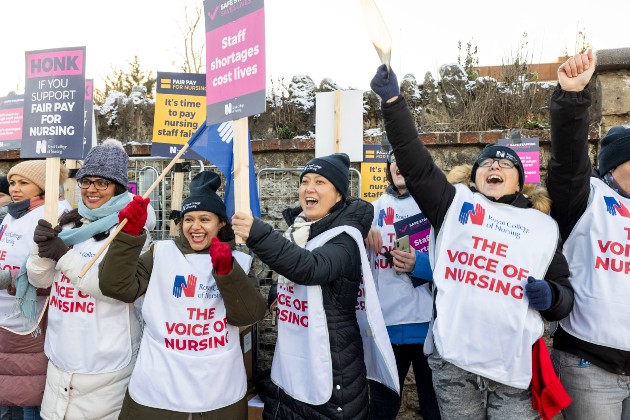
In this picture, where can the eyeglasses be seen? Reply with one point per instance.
(99, 184)
(503, 163)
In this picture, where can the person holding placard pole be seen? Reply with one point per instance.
(493, 287)
(194, 282)
(23, 316)
(402, 280)
(325, 289)
(92, 340)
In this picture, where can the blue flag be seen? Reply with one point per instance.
(215, 144)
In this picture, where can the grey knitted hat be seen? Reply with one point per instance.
(109, 161)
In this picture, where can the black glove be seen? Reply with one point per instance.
(539, 294)
(272, 302)
(49, 243)
(384, 83)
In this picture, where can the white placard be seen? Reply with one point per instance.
(349, 125)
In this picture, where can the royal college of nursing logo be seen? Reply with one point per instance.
(474, 213)
(386, 216)
(2, 230)
(613, 207)
(182, 285)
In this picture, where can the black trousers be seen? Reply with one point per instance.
(385, 403)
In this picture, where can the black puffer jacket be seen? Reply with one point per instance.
(568, 181)
(336, 267)
(434, 194)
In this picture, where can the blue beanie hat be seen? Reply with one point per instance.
(614, 148)
(496, 151)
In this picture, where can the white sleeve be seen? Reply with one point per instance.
(40, 271)
(151, 218)
(72, 264)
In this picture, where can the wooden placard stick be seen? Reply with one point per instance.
(70, 185)
(51, 203)
(337, 125)
(124, 221)
(241, 168)
(176, 197)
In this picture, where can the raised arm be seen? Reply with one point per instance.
(426, 182)
(570, 168)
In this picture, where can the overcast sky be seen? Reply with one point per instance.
(320, 38)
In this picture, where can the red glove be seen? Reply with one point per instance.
(221, 255)
(136, 214)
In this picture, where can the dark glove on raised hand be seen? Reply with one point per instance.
(539, 294)
(384, 83)
(48, 243)
(136, 214)
(221, 255)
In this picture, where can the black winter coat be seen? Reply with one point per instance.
(568, 182)
(336, 267)
(434, 194)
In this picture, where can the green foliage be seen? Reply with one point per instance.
(471, 61)
(286, 132)
(124, 81)
(534, 123)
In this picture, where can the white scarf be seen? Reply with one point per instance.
(297, 233)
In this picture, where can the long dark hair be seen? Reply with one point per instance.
(225, 234)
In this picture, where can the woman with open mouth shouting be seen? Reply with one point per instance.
(498, 270)
(325, 291)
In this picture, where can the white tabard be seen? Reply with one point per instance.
(16, 240)
(86, 335)
(189, 354)
(400, 301)
(598, 252)
(302, 364)
(481, 260)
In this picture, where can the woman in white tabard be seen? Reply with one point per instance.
(92, 340)
(498, 270)
(329, 317)
(196, 294)
(22, 320)
(403, 282)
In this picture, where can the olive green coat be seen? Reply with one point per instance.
(124, 275)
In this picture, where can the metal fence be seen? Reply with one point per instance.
(143, 172)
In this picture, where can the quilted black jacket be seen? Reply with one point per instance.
(336, 267)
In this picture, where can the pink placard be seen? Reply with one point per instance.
(238, 65)
(11, 124)
(55, 63)
(531, 165)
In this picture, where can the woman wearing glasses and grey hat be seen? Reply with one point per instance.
(497, 267)
(92, 340)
